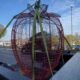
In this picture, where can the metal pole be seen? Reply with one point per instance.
(71, 25)
(71, 21)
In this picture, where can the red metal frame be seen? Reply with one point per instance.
(22, 48)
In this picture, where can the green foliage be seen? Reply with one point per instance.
(3, 31)
(72, 39)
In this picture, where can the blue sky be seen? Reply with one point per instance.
(9, 8)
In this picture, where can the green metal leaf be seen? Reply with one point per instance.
(44, 41)
(33, 46)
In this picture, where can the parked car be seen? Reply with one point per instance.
(77, 47)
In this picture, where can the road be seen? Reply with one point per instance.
(6, 56)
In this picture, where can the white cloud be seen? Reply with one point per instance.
(66, 21)
(59, 5)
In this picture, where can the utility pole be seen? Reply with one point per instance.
(72, 25)
(71, 21)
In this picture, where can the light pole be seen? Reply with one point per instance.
(72, 25)
(71, 21)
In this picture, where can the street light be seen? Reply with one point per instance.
(71, 21)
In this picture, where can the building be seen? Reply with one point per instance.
(5, 43)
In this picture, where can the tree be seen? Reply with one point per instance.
(77, 41)
(73, 39)
(1, 31)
